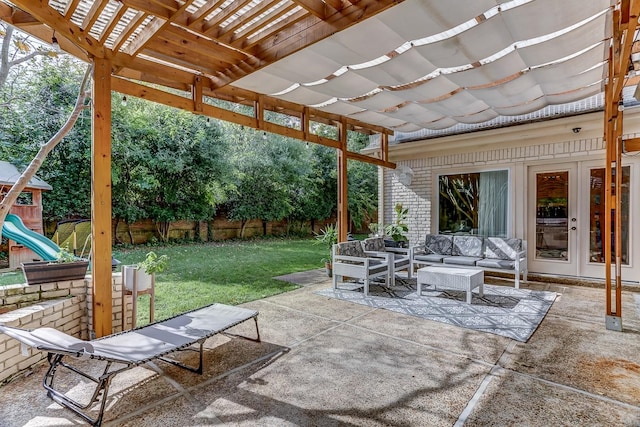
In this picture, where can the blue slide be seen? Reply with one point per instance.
(14, 229)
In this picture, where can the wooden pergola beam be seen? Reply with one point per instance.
(631, 145)
(257, 121)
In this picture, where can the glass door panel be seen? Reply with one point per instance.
(597, 215)
(552, 221)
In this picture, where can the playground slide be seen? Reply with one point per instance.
(14, 229)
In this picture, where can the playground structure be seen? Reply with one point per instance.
(74, 235)
(28, 208)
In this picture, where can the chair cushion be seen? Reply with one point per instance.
(461, 260)
(438, 244)
(502, 248)
(497, 263)
(400, 262)
(373, 269)
(469, 246)
(353, 248)
(375, 244)
(429, 257)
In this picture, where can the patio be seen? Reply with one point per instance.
(327, 362)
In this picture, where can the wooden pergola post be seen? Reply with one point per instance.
(343, 215)
(101, 198)
(625, 20)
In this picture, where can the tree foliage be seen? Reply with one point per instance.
(167, 164)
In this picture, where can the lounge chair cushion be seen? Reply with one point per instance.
(496, 263)
(502, 248)
(462, 260)
(438, 244)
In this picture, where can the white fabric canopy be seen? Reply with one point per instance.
(431, 64)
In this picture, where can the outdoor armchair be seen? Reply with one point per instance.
(374, 246)
(350, 260)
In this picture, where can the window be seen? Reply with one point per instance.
(474, 203)
(25, 198)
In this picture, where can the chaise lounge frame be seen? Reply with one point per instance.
(158, 339)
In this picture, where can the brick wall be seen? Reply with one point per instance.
(67, 314)
(65, 306)
(419, 195)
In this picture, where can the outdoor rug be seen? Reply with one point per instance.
(513, 313)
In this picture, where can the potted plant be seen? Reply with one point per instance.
(328, 236)
(144, 272)
(66, 266)
(398, 229)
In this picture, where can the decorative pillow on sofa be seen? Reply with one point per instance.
(440, 244)
(470, 246)
(502, 248)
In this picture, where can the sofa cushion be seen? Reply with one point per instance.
(469, 246)
(353, 248)
(502, 248)
(461, 260)
(503, 264)
(438, 244)
(375, 244)
(429, 257)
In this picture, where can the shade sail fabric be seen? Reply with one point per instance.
(429, 64)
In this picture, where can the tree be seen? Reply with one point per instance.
(265, 169)
(30, 171)
(169, 165)
(363, 184)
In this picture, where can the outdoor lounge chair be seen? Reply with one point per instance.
(349, 260)
(374, 246)
(129, 349)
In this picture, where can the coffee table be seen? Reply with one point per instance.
(460, 279)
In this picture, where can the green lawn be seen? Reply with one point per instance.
(229, 272)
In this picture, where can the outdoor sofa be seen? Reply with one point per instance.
(500, 254)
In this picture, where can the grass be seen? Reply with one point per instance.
(231, 272)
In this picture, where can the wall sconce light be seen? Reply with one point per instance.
(208, 122)
(264, 135)
(576, 130)
(124, 101)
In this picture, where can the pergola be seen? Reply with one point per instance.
(360, 65)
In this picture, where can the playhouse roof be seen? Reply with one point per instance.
(9, 175)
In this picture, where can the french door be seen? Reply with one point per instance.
(566, 217)
(553, 226)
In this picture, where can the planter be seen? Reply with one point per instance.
(48, 272)
(132, 274)
(328, 268)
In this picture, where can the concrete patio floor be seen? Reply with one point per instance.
(326, 362)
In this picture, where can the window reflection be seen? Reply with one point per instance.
(597, 215)
(474, 203)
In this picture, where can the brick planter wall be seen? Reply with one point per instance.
(65, 306)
